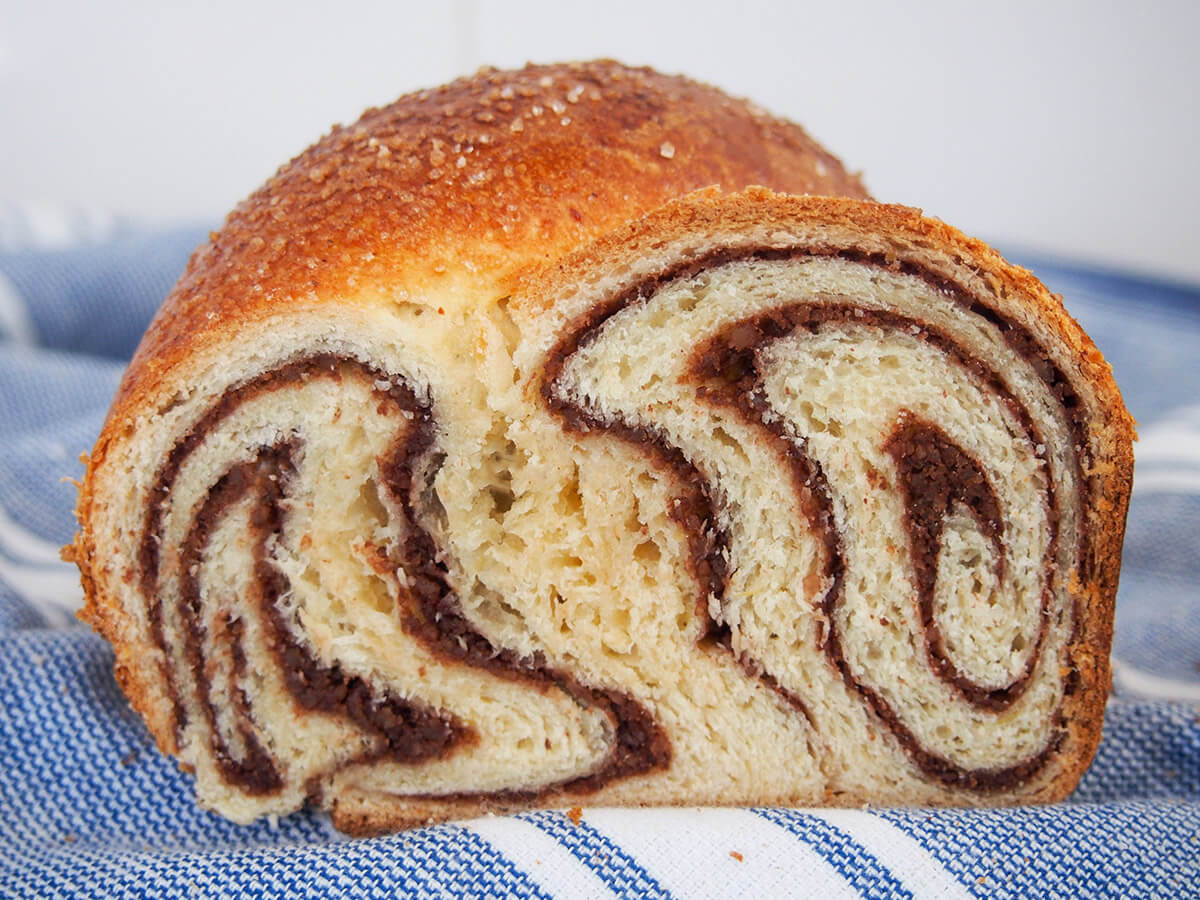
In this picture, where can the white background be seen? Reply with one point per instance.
(1065, 127)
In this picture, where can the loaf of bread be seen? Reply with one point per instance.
(535, 441)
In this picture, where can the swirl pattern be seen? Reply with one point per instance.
(202, 634)
(770, 515)
(962, 520)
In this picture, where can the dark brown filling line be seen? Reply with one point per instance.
(1020, 340)
(410, 732)
(435, 617)
(729, 359)
(727, 370)
(934, 471)
(693, 510)
(935, 474)
(407, 731)
(255, 770)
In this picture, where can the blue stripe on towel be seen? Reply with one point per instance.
(853, 861)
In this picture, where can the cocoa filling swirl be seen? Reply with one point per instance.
(726, 373)
(403, 730)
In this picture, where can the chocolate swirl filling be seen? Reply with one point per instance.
(936, 474)
(725, 370)
(404, 730)
(254, 768)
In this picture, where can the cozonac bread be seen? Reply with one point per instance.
(580, 434)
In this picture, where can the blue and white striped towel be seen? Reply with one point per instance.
(89, 808)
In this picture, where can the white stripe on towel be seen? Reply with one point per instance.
(55, 593)
(1144, 684)
(899, 852)
(688, 851)
(1176, 481)
(540, 856)
(32, 567)
(17, 540)
(15, 321)
(1176, 438)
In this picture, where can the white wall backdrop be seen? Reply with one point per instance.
(1067, 127)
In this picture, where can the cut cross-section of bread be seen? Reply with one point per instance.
(472, 467)
(901, 468)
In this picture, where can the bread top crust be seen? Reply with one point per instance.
(470, 186)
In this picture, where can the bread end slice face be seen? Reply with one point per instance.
(904, 474)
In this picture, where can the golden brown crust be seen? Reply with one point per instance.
(445, 181)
